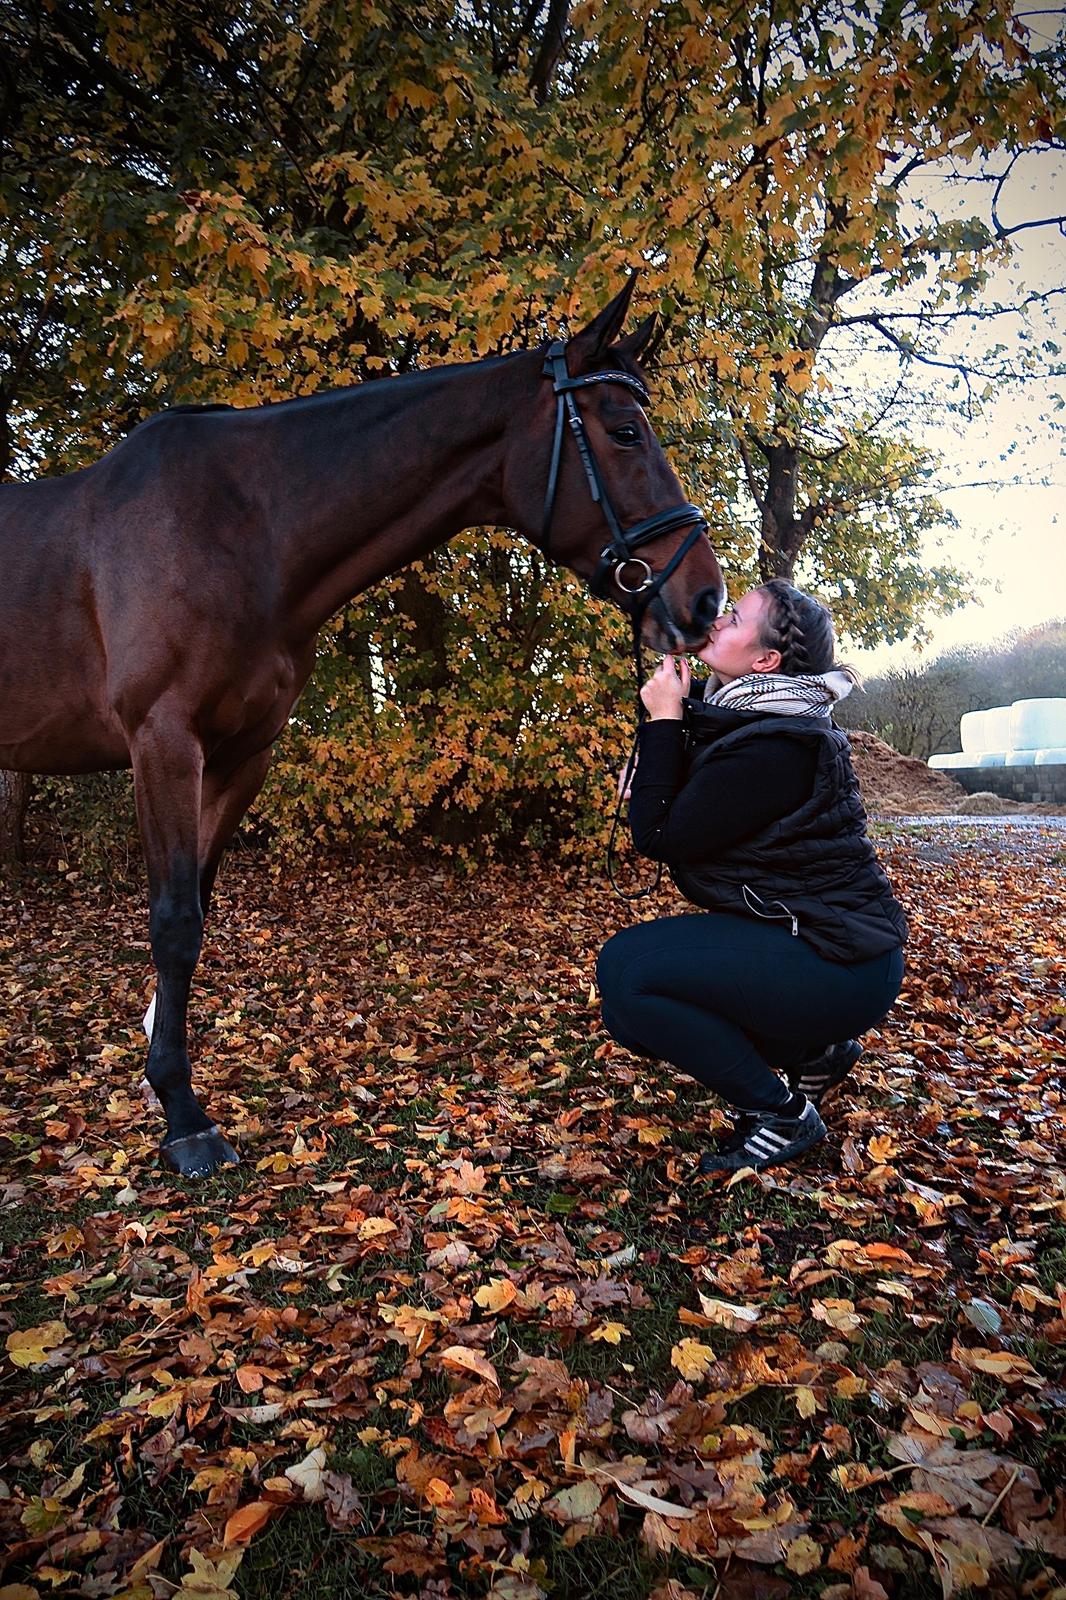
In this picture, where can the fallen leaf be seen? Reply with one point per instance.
(210, 1580)
(579, 1502)
(460, 1358)
(33, 1347)
(496, 1295)
(309, 1474)
(249, 1520)
(692, 1359)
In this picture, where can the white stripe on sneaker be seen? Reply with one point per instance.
(761, 1149)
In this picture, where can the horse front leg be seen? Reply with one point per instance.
(167, 774)
(226, 797)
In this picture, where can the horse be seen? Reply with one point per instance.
(159, 609)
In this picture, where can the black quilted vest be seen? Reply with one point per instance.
(813, 871)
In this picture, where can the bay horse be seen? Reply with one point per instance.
(159, 609)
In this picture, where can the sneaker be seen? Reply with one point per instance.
(732, 1138)
(766, 1140)
(817, 1075)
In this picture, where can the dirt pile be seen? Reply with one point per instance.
(894, 785)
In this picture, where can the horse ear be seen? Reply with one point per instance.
(586, 346)
(635, 343)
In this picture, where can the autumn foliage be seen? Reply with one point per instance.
(462, 1324)
(231, 204)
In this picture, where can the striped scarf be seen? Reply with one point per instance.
(781, 695)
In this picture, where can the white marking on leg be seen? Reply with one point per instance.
(148, 1020)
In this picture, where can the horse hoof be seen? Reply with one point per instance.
(198, 1155)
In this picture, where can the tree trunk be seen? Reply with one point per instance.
(783, 533)
(14, 798)
(552, 44)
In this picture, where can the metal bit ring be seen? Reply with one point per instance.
(645, 582)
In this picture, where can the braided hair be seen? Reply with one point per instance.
(801, 628)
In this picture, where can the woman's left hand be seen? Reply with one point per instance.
(666, 688)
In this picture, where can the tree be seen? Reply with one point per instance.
(14, 799)
(255, 202)
(815, 248)
(917, 708)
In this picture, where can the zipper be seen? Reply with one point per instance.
(750, 897)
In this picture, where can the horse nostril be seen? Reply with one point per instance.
(707, 605)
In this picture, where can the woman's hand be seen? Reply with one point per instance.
(625, 779)
(666, 688)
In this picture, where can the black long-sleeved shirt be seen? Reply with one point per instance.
(688, 821)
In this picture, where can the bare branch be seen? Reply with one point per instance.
(745, 456)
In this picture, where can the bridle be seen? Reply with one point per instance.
(621, 552)
(625, 542)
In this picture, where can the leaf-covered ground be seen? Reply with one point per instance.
(461, 1323)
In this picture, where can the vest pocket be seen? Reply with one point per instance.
(765, 909)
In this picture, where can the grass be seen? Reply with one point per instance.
(554, 1232)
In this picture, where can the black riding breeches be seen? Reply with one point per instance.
(734, 1002)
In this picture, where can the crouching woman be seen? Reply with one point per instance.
(746, 791)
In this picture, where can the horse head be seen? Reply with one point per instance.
(598, 495)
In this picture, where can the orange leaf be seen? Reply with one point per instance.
(249, 1520)
(462, 1359)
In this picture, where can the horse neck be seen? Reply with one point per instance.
(376, 476)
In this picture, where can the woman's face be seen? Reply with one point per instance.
(735, 646)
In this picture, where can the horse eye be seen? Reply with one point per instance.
(626, 435)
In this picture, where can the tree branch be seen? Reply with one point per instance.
(552, 44)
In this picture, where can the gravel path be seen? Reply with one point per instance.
(1003, 823)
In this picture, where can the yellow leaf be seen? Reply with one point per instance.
(496, 1296)
(1000, 1363)
(375, 1227)
(33, 1347)
(839, 1314)
(806, 1404)
(576, 1503)
(726, 1315)
(692, 1359)
(209, 1580)
(610, 1332)
(803, 1555)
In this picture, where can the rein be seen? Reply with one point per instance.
(620, 553)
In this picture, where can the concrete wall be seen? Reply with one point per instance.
(1047, 784)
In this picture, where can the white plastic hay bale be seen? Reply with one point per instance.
(997, 728)
(1037, 725)
(944, 763)
(1051, 758)
(991, 758)
(1021, 758)
(985, 730)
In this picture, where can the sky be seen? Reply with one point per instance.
(1005, 472)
